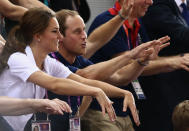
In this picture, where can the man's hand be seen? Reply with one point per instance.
(127, 7)
(157, 48)
(149, 50)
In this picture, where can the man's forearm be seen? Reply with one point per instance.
(111, 91)
(105, 32)
(12, 11)
(100, 36)
(104, 70)
(126, 74)
(32, 4)
(163, 64)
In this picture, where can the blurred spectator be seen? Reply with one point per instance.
(79, 5)
(164, 17)
(180, 117)
(127, 38)
(13, 10)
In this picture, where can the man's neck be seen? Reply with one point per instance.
(131, 21)
(69, 57)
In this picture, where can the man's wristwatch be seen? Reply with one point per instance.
(122, 17)
(144, 63)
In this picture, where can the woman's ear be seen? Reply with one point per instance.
(36, 37)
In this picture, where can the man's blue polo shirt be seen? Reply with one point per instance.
(61, 122)
(79, 63)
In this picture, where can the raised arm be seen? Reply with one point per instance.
(31, 4)
(105, 32)
(13, 12)
(130, 72)
(115, 71)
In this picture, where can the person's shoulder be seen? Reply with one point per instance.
(104, 16)
(52, 62)
(99, 20)
(50, 59)
(17, 56)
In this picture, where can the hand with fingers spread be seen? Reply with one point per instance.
(130, 103)
(126, 8)
(143, 50)
(54, 106)
(106, 105)
(158, 47)
(150, 50)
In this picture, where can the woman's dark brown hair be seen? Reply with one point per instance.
(34, 21)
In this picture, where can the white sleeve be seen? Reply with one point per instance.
(21, 66)
(58, 69)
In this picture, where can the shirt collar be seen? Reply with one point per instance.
(179, 2)
(65, 62)
(62, 59)
(29, 53)
(136, 24)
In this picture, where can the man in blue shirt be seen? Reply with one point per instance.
(74, 44)
(128, 38)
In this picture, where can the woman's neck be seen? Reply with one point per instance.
(39, 56)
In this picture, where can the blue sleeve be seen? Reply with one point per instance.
(72, 69)
(83, 62)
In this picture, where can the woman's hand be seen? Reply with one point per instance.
(54, 106)
(106, 104)
(130, 102)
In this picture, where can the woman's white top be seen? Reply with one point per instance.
(13, 81)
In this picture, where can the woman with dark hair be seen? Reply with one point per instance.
(25, 66)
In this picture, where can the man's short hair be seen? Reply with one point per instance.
(180, 117)
(62, 16)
